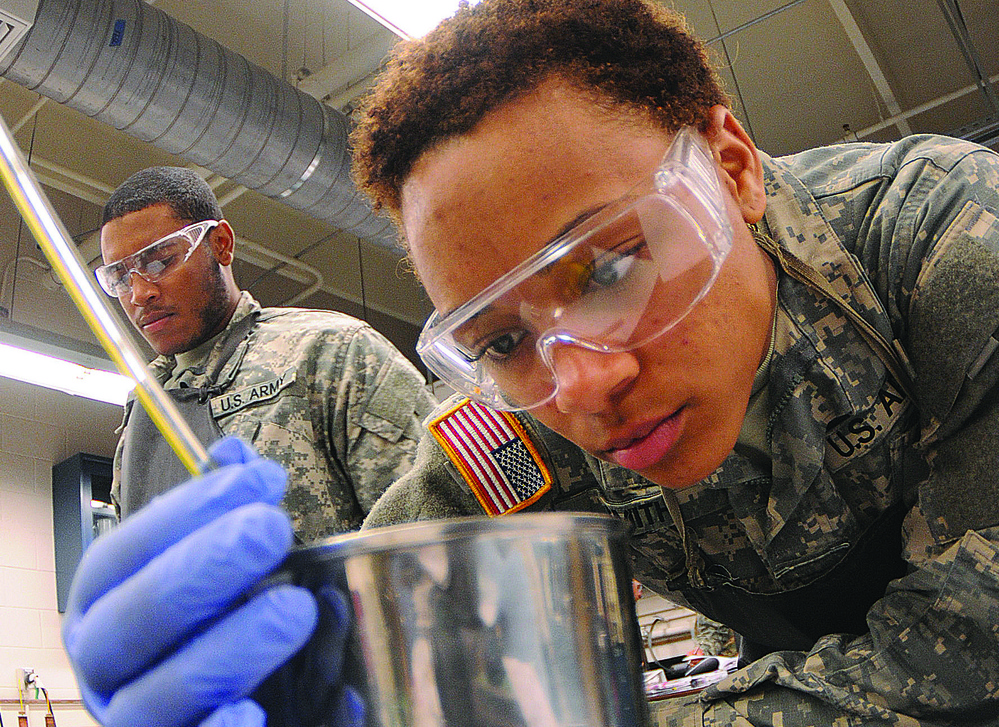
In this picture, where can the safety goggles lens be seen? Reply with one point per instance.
(614, 283)
(155, 261)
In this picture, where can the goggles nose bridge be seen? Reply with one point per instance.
(580, 380)
(144, 274)
(130, 265)
(545, 346)
(543, 319)
(133, 268)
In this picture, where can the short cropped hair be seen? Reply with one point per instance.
(189, 196)
(630, 52)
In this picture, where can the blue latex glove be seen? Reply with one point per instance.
(150, 626)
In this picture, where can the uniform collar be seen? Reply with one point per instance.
(164, 366)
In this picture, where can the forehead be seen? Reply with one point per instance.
(133, 231)
(478, 204)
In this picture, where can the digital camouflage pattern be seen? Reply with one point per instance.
(866, 559)
(327, 397)
(713, 638)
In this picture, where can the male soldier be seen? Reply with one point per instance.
(781, 371)
(320, 392)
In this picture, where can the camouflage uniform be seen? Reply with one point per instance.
(713, 638)
(324, 395)
(862, 565)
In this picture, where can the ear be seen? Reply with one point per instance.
(739, 160)
(223, 242)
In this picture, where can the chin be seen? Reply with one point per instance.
(684, 471)
(164, 348)
(668, 481)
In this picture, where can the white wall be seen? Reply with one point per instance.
(38, 428)
(671, 627)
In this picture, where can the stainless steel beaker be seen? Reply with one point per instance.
(525, 620)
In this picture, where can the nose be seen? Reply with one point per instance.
(142, 291)
(590, 380)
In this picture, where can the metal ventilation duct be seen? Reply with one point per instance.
(132, 66)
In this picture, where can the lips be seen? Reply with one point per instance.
(648, 444)
(153, 322)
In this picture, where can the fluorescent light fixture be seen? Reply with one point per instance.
(409, 18)
(42, 364)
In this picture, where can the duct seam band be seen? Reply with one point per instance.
(305, 175)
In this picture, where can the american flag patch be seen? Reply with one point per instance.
(494, 455)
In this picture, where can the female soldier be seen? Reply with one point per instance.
(781, 371)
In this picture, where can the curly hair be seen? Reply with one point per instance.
(630, 52)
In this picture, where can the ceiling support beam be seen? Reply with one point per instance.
(955, 19)
(863, 49)
(358, 64)
(232, 195)
(35, 108)
(922, 108)
(754, 21)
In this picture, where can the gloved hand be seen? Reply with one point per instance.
(158, 625)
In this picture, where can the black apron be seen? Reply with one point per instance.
(836, 602)
(149, 465)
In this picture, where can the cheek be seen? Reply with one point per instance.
(126, 305)
(696, 363)
(552, 418)
(187, 288)
(678, 351)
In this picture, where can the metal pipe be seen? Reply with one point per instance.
(750, 23)
(916, 110)
(955, 20)
(291, 262)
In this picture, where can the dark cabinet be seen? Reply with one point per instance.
(81, 510)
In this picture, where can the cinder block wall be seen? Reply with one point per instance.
(39, 428)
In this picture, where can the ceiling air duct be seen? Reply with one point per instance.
(132, 66)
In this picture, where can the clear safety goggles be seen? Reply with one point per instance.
(155, 261)
(621, 278)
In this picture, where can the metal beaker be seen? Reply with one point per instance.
(526, 620)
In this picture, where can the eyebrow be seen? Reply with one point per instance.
(562, 231)
(576, 221)
(472, 317)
